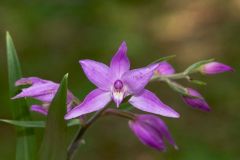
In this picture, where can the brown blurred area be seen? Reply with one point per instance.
(52, 36)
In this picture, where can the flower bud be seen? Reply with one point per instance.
(196, 102)
(164, 68)
(215, 68)
(151, 131)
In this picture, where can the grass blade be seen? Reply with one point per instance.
(26, 124)
(54, 146)
(36, 124)
(163, 59)
(25, 136)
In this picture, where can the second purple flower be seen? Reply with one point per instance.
(43, 91)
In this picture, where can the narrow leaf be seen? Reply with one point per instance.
(194, 67)
(25, 136)
(54, 146)
(26, 124)
(198, 82)
(163, 59)
(73, 122)
(36, 124)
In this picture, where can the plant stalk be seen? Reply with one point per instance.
(119, 113)
(78, 138)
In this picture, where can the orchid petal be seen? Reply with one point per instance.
(149, 102)
(98, 73)
(46, 97)
(39, 109)
(159, 125)
(70, 97)
(38, 90)
(120, 62)
(30, 81)
(147, 135)
(165, 68)
(199, 103)
(95, 100)
(43, 92)
(137, 79)
(118, 97)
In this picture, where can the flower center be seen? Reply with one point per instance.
(118, 92)
(118, 85)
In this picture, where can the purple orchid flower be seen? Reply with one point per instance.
(42, 90)
(215, 68)
(199, 103)
(164, 68)
(151, 131)
(117, 82)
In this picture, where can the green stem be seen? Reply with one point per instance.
(78, 138)
(181, 75)
(123, 114)
(176, 76)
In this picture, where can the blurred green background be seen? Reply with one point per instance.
(52, 36)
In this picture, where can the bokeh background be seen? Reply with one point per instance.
(52, 36)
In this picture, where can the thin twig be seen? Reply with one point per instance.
(119, 113)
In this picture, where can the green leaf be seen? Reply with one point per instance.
(25, 136)
(54, 145)
(163, 59)
(73, 122)
(36, 124)
(26, 124)
(198, 82)
(194, 67)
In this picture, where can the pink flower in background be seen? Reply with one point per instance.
(117, 82)
(42, 90)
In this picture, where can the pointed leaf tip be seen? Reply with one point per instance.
(167, 58)
(7, 34)
(56, 127)
(66, 76)
(25, 149)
